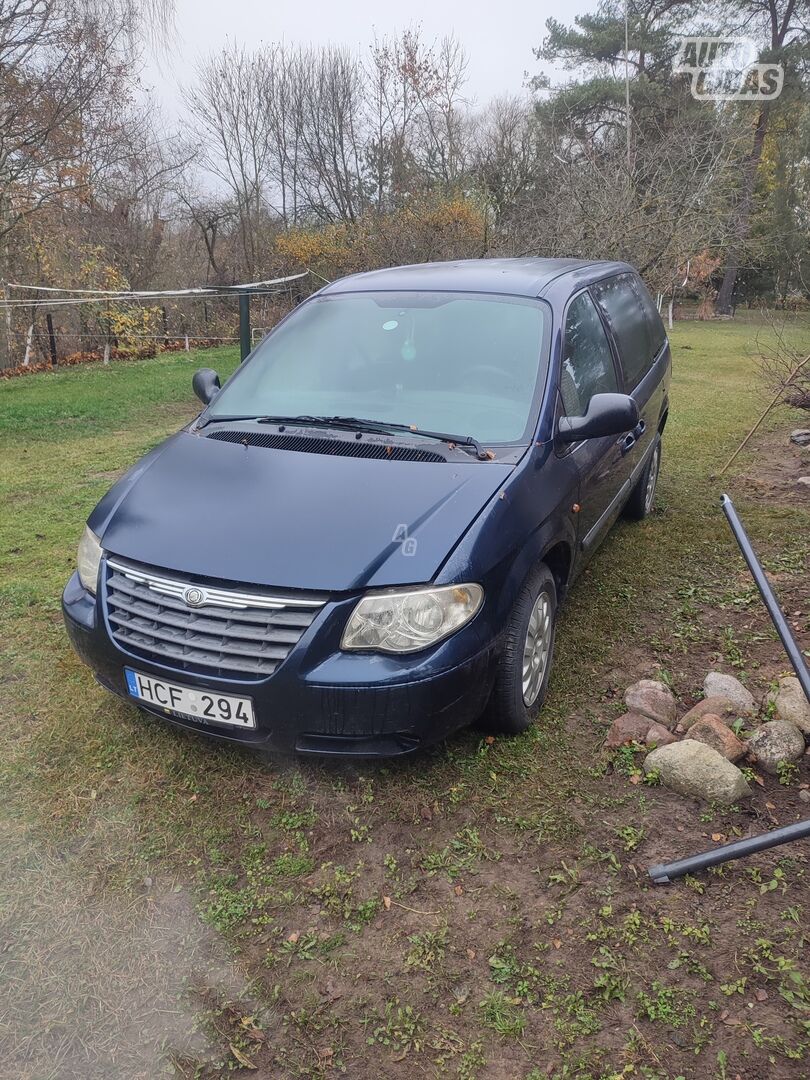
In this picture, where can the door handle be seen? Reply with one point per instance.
(639, 429)
(627, 443)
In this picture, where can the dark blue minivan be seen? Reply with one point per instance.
(361, 543)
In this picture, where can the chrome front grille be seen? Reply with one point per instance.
(226, 632)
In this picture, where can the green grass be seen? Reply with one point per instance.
(481, 907)
(92, 399)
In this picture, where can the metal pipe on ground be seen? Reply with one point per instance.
(692, 864)
(769, 596)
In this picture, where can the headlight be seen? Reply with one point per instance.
(403, 622)
(88, 560)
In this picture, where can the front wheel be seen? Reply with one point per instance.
(642, 498)
(521, 680)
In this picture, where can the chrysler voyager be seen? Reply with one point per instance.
(362, 542)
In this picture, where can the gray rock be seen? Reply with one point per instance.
(790, 703)
(714, 706)
(774, 743)
(716, 684)
(804, 481)
(801, 436)
(804, 795)
(692, 768)
(654, 699)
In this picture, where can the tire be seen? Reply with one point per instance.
(642, 498)
(511, 708)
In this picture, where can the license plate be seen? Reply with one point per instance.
(203, 705)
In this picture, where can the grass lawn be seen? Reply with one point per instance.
(170, 907)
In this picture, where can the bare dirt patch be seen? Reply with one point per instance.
(775, 465)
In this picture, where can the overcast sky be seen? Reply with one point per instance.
(498, 37)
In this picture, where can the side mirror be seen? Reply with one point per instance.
(205, 384)
(607, 414)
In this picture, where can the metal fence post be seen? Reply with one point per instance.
(51, 338)
(244, 324)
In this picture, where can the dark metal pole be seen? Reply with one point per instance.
(244, 324)
(768, 595)
(51, 338)
(664, 873)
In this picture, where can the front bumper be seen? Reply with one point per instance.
(320, 700)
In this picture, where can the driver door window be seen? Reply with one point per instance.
(587, 364)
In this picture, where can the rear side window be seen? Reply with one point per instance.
(587, 366)
(629, 325)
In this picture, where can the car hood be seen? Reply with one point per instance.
(290, 519)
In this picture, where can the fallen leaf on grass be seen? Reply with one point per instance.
(252, 1032)
(293, 938)
(458, 890)
(387, 903)
(761, 995)
(243, 1060)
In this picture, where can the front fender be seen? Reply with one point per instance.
(531, 513)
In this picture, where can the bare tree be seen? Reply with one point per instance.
(227, 104)
(444, 121)
(56, 66)
(580, 203)
(332, 136)
(392, 108)
(504, 155)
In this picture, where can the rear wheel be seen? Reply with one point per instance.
(521, 680)
(642, 499)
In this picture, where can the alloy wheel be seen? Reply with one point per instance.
(537, 648)
(652, 480)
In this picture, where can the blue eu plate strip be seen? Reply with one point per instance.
(132, 682)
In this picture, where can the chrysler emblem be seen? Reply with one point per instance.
(194, 597)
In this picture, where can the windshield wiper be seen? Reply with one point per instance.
(384, 427)
(264, 420)
(358, 423)
(453, 440)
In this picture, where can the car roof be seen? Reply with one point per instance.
(515, 277)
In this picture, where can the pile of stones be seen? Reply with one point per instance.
(697, 754)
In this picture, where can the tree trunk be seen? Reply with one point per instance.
(724, 303)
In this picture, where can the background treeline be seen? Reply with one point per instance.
(288, 157)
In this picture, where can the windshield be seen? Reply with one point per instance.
(454, 362)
